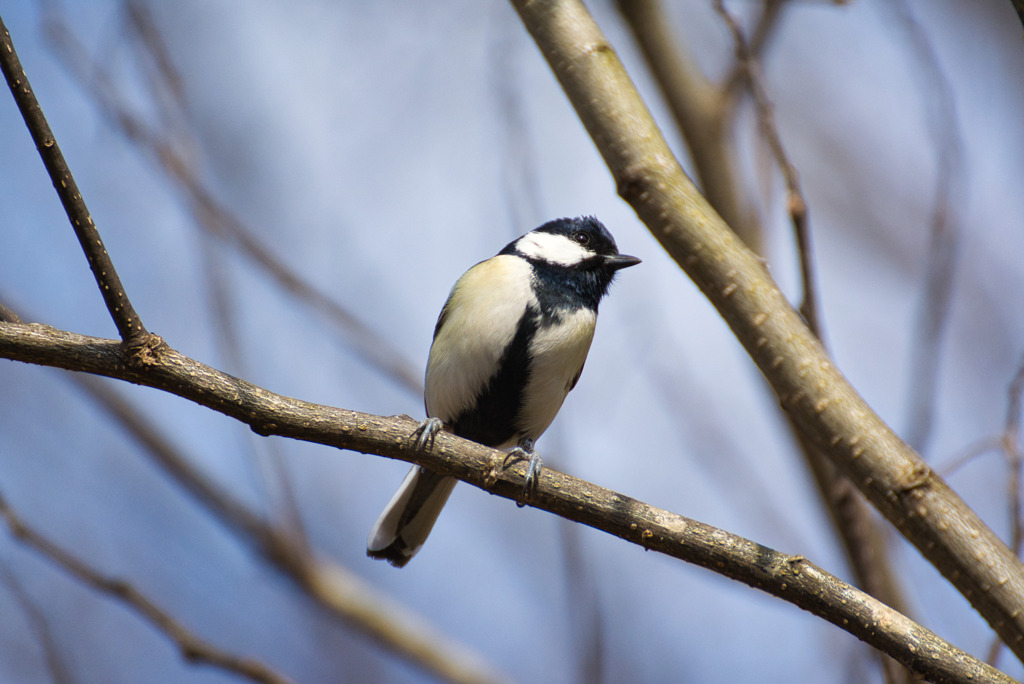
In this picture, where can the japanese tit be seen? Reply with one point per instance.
(508, 347)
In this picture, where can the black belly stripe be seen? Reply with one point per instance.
(494, 419)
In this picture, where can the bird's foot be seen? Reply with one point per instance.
(525, 452)
(425, 433)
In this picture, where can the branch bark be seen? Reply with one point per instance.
(823, 405)
(129, 325)
(704, 115)
(792, 578)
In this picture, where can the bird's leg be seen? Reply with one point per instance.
(523, 452)
(426, 432)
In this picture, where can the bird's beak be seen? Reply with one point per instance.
(620, 261)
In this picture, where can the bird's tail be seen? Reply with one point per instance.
(410, 515)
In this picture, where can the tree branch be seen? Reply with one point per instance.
(129, 325)
(701, 112)
(55, 664)
(337, 590)
(824, 406)
(192, 648)
(789, 577)
(862, 538)
(929, 329)
(747, 63)
(334, 588)
(704, 116)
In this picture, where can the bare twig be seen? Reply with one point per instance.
(702, 115)
(789, 577)
(54, 662)
(1011, 446)
(271, 470)
(822, 403)
(192, 648)
(863, 541)
(767, 23)
(129, 325)
(929, 326)
(519, 182)
(143, 25)
(586, 617)
(705, 118)
(747, 63)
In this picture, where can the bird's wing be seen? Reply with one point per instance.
(478, 322)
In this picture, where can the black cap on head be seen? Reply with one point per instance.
(586, 230)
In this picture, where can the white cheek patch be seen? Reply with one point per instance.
(556, 249)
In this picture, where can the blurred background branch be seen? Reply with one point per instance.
(193, 648)
(174, 151)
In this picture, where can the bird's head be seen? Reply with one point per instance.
(575, 243)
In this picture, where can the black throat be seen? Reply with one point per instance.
(580, 286)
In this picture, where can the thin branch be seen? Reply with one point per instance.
(192, 648)
(747, 62)
(827, 410)
(705, 118)
(764, 31)
(37, 621)
(271, 471)
(1012, 449)
(217, 220)
(1011, 446)
(863, 541)
(143, 25)
(792, 578)
(129, 325)
(929, 327)
(586, 616)
(519, 183)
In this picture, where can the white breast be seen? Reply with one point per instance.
(483, 311)
(558, 353)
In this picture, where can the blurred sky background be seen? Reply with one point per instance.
(380, 149)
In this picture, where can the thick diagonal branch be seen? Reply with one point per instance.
(824, 406)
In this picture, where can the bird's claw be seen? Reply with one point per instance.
(525, 452)
(425, 433)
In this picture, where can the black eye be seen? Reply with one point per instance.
(582, 238)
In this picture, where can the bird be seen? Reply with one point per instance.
(509, 345)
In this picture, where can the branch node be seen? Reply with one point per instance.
(144, 350)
